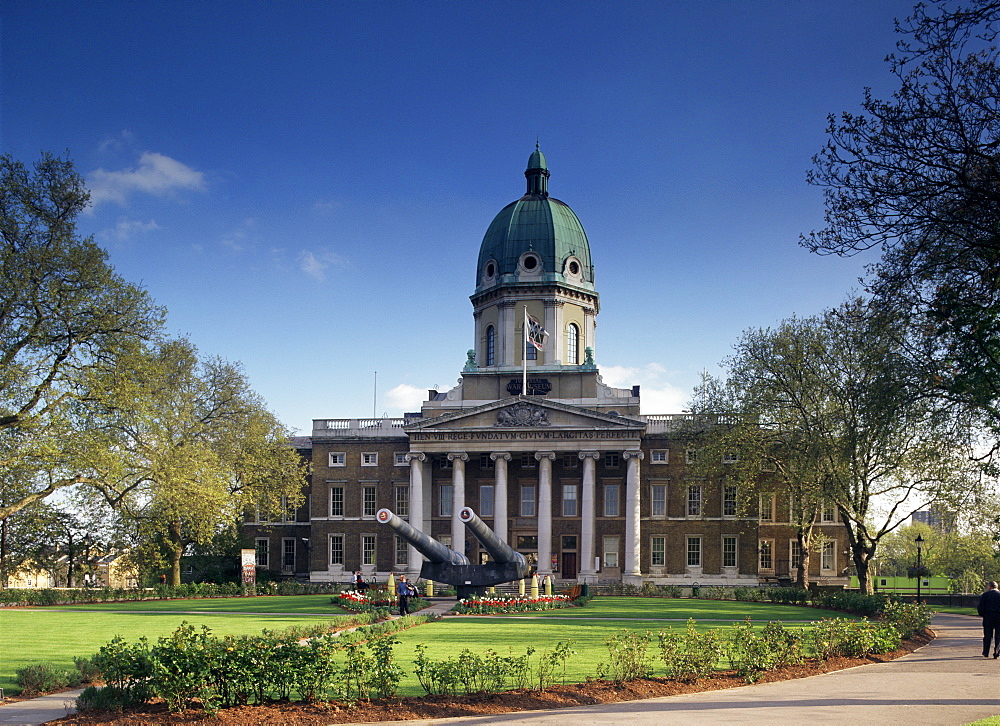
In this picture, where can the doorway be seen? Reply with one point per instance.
(568, 565)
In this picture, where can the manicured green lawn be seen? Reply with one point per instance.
(303, 604)
(955, 611)
(54, 635)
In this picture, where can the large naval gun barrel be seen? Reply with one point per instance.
(499, 550)
(429, 548)
(446, 565)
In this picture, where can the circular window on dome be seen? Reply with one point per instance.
(573, 269)
(491, 270)
(530, 262)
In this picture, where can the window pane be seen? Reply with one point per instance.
(402, 551)
(336, 549)
(486, 501)
(694, 500)
(766, 561)
(694, 551)
(261, 545)
(336, 501)
(569, 500)
(527, 501)
(729, 500)
(611, 552)
(610, 500)
(368, 549)
(658, 551)
(369, 502)
(729, 552)
(403, 501)
(659, 500)
(445, 502)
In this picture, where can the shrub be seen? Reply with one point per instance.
(690, 655)
(908, 618)
(43, 678)
(87, 669)
(749, 594)
(789, 595)
(627, 659)
(106, 698)
(714, 592)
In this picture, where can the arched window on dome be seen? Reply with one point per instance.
(573, 345)
(491, 344)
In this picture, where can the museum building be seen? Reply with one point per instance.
(561, 466)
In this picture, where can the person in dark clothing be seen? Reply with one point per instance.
(989, 611)
(406, 591)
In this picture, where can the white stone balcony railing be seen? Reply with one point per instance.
(667, 422)
(358, 426)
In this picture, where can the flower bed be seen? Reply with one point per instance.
(500, 604)
(363, 601)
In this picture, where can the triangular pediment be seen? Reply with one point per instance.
(519, 413)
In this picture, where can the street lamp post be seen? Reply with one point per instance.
(919, 541)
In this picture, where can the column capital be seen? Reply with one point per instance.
(550, 455)
(505, 455)
(595, 455)
(507, 303)
(416, 456)
(458, 455)
(552, 303)
(633, 455)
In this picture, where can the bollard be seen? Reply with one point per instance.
(390, 585)
(534, 586)
(429, 588)
(520, 587)
(548, 586)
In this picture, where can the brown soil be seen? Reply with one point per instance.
(427, 707)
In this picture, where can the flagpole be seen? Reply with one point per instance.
(524, 353)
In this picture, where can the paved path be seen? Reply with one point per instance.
(946, 683)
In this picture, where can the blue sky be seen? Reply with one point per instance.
(305, 185)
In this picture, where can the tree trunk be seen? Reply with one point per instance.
(175, 545)
(802, 572)
(3, 554)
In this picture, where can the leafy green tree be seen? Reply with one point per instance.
(194, 447)
(861, 433)
(64, 314)
(917, 176)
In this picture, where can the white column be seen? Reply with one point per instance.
(556, 346)
(479, 345)
(587, 516)
(545, 511)
(457, 500)
(589, 331)
(416, 516)
(500, 494)
(633, 535)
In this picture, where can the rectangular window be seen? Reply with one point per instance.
(569, 500)
(445, 539)
(402, 501)
(261, 545)
(730, 457)
(528, 501)
(528, 461)
(828, 557)
(767, 507)
(402, 551)
(288, 554)
(659, 500)
(694, 500)
(486, 461)
(486, 500)
(690, 456)
(694, 551)
(336, 549)
(795, 554)
(571, 461)
(612, 460)
(658, 552)
(445, 500)
(368, 502)
(611, 498)
(287, 510)
(766, 554)
(611, 552)
(659, 456)
(367, 549)
(338, 458)
(336, 501)
(828, 514)
(729, 493)
(369, 458)
(399, 459)
(729, 558)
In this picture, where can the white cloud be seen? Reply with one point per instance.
(316, 264)
(657, 394)
(404, 397)
(156, 174)
(126, 229)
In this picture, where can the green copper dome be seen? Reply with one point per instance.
(536, 239)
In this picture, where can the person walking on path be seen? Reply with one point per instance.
(406, 591)
(989, 611)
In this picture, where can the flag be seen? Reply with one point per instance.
(537, 335)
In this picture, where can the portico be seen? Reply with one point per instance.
(557, 449)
